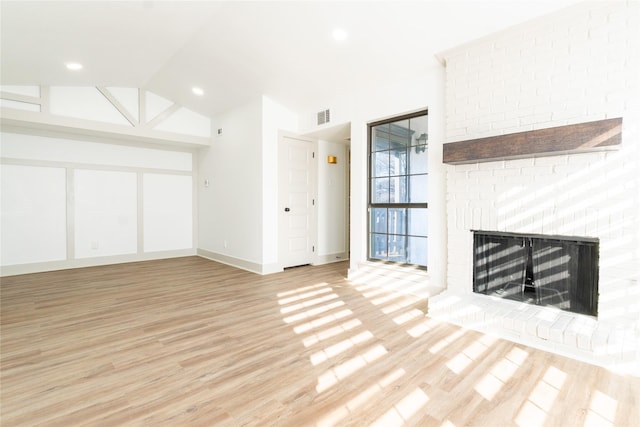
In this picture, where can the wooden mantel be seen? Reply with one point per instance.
(562, 139)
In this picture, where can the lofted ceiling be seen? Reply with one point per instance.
(236, 50)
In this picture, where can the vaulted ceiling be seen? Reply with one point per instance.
(235, 50)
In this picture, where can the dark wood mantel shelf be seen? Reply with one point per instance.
(557, 140)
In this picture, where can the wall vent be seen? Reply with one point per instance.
(324, 116)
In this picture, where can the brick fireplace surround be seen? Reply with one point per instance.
(577, 66)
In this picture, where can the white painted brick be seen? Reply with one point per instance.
(491, 166)
(599, 340)
(481, 174)
(507, 126)
(629, 349)
(570, 114)
(584, 340)
(586, 158)
(523, 318)
(556, 72)
(537, 170)
(519, 163)
(567, 170)
(544, 329)
(615, 342)
(551, 160)
(531, 326)
(509, 320)
(466, 167)
(506, 172)
(570, 334)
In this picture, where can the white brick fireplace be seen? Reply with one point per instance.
(575, 66)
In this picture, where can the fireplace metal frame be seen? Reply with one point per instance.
(523, 280)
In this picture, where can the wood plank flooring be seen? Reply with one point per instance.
(189, 341)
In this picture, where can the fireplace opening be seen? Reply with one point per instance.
(557, 271)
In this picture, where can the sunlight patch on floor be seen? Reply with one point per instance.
(602, 411)
(501, 372)
(331, 332)
(313, 312)
(334, 375)
(317, 323)
(303, 289)
(342, 412)
(440, 345)
(386, 298)
(289, 300)
(372, 291)
(392, 308)
(542, 398)
(408, 316)
(339, 348)
(403, 410)
(463, 359)
(423, 327)
(308, 303)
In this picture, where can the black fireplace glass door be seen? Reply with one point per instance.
(499, 266)
(564, 275)
(555, 266)
(555, 271)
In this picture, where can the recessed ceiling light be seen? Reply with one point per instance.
(74, 66)
(339, 34)
(198, 91)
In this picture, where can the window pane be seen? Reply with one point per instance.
(418, 222)
(378, 246)
(380, 163)
(398, 189)
(378, 220)
(398, 161)
(418, 161)
(418, 188)
(380, 190)
(380, 137)
(398, 178)
(419, 129)
(397, 251)
(417, 251)
(400, 134)
(397, 221)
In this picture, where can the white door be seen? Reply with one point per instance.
(296, 164)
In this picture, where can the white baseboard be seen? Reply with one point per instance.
(243, 264)
(329, 258)
(39, 267)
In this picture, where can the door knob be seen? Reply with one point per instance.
(287, 209)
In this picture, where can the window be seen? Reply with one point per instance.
(398, 177)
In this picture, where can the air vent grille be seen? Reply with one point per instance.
(324, 116)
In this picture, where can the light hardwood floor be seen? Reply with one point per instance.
(192, 342)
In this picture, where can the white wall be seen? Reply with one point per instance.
(71, 202)
(230, 209)
(332, 202)
(34, 214)
(403, 93)
(247, 151)
(275, 118)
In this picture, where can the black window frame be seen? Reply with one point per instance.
(390, 205)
